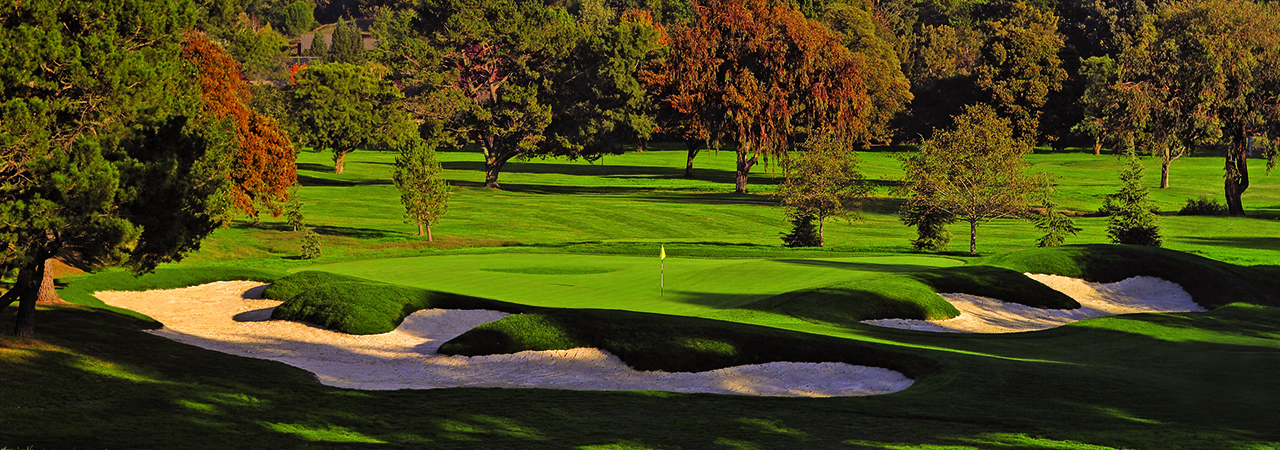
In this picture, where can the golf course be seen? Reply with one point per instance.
(566, 258)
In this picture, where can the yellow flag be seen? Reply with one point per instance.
(662, 255)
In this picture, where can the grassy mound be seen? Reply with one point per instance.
(672, 343)
(998, 283)
(358, 306)
(1210, 283)
(881, 297)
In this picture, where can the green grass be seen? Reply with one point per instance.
(571, 246)
(357, 306)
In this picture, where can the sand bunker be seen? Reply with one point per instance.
(987, 315)
(228, 317)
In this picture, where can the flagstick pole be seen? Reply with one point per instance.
(662, 281)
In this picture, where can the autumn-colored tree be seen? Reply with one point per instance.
(758, 75)
(423, 190)
(263, 168)
(1205, 73)
(344, 107)
(823, 182)
(974, 171)
(483, 71)
(859, 30)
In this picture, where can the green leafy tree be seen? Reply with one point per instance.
(483, 71)
(344, 107)
(823, 182)
(1021, 66)
(261, 53)
(299, 18)
(104, 155)
(1098, 100)
(1203, 72)
(974, 171)
(1133, 219)
(347, 46)
(423, 190)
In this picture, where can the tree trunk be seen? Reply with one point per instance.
(339, 161)
(30, 280)
(1237, 175)
(822, 238)
(1164, 174)
(492, 166)
(973, 236)
(48, 292)
(744, 167)
(428, 231)
(419, 228)
(694, 146)
(1097, 147)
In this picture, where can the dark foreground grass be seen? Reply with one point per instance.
(1191, 381)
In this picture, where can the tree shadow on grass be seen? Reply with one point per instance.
(310, 181)
(860, 266)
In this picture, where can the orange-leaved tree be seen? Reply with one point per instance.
(758, 75)
(263, 168)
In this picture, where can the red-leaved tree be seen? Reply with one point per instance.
(760, 76)
(263, 168)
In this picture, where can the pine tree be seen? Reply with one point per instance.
(930, 222)
(1055, 224)
(348, 46)
(1133, 219)
(803, 233)
(310, 245)
(423, 190)
(293, 210)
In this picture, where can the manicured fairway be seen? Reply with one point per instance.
(694, 286)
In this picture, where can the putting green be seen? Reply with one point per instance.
(692, 286)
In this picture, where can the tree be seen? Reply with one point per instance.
(930, 221)
(1055, 225)
(1099, 73)
(974, 171)
(1021, 66)
(1203, 72)
(822, 182)
(104, 154)
(803, 233)
(1133, 219)
(347, 46)
(263, 168)
(261, 54)
(423, 190)
(344, 107)
(298, 18)
(481, 70)
(758, 75)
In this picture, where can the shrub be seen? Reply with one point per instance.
(1203, 206)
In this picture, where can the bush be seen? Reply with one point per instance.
(1203, 206)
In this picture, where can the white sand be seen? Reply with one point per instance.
(987, 315)
(228, 317)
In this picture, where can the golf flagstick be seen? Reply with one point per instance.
(662, 268)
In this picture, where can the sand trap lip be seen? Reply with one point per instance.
(227, 317)
(987, 315)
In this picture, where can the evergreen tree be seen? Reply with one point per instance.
(104, 153)
(347, 47)
(1133, 219)
(803, 233)
(930, 222)
(293, 210)
(319, 48)
(1055, 225)
(423, 190)
(298, 18)
(310, 245)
